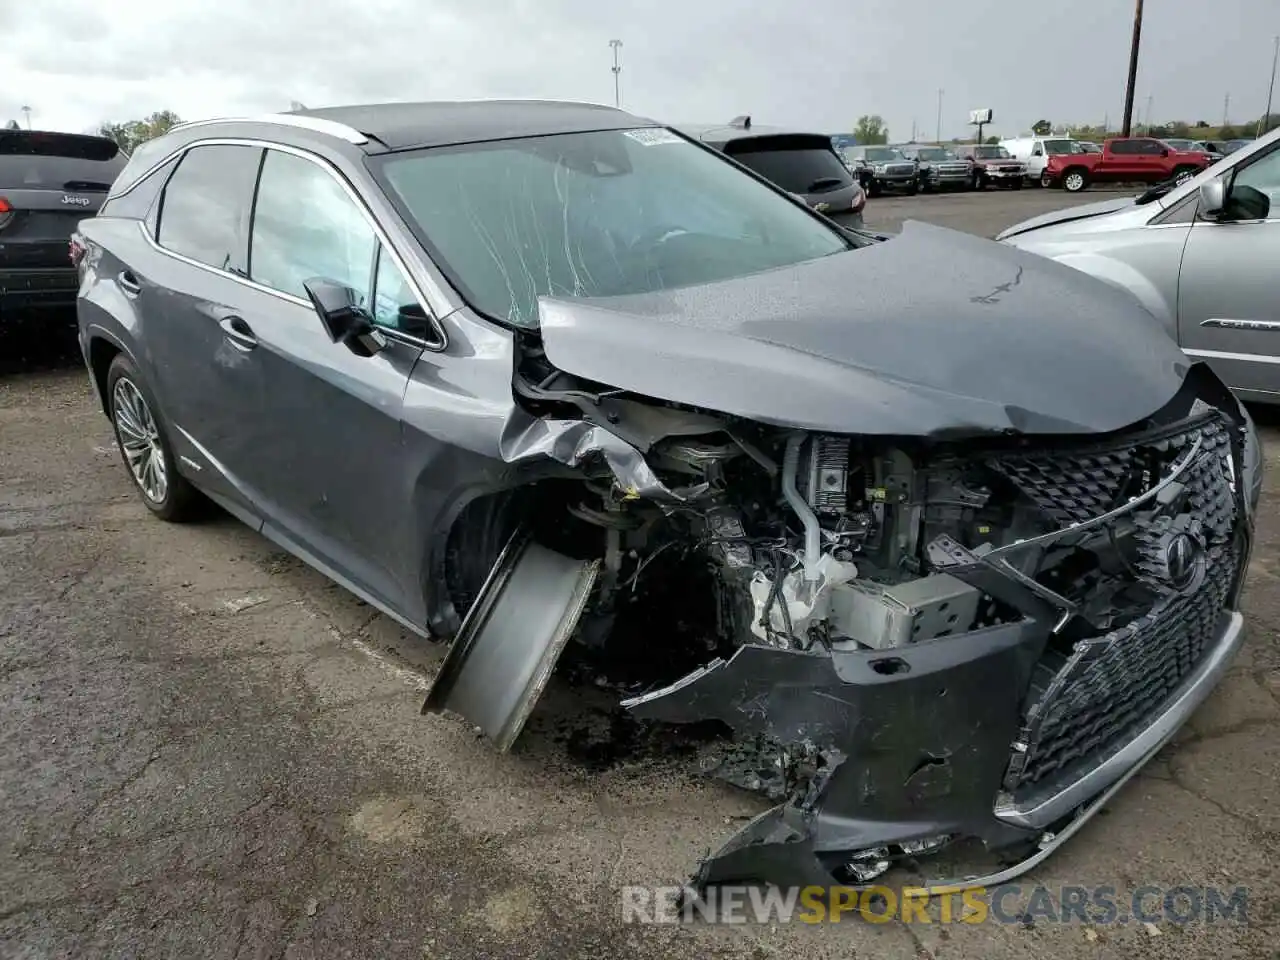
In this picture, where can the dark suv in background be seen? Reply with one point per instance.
(939, 167)
(804, 164)
(881, 168)
(48, 183)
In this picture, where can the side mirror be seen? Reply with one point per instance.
(344, 320)
(1164, 152)
(1213, 197)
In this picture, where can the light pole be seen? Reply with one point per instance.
(617, 73)
(1127, 128)
(27, 111)
(939, 130)
(1149, 96)
(1266, 117)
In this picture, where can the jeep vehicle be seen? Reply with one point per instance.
(48, 183)
(804, 164)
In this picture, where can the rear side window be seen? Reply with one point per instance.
(140, 202)
(204, 212)
(794, 165)
(35, 160)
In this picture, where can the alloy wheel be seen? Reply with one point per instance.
(139, 440)
(1074, 182)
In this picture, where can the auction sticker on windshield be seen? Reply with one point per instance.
(650, 136)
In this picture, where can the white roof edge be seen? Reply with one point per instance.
(315, 124)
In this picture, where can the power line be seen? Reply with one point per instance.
(1266, 116)
(1127, 128)
(617, 73)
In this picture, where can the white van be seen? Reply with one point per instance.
(1035, 151)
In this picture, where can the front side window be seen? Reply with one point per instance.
(1255, 188)
(204, 210)
(304, 226)
(1150, 147)
(594, 215)
(391, 292)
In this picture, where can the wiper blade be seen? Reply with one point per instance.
(824, 183)
(1157, 191)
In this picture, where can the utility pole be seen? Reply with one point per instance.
(27, 110)
(939, 131)
(1149, 114)
(1226, 108)
(1266, 116)
(913, 131)
(1127, 127)
(617, 73)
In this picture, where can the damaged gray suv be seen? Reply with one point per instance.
(935, 541)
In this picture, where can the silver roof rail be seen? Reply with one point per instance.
(315, 124)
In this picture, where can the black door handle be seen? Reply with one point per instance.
(238, 332)
(129, 283)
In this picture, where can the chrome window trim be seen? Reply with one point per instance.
(428, 303)
(1229, 323)
(1228, 355)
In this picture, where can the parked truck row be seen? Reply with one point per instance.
(1042, 161)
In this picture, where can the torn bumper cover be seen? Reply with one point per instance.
(920, 748)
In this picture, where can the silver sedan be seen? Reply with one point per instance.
(1200, 255)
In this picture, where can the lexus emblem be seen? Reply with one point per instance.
(1183, 558)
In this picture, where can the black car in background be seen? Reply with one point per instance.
(804, 164)
(48, 183)
(939, 168)
(881, 168)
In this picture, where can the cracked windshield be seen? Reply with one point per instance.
(596, 215)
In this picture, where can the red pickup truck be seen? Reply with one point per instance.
(1123, 159)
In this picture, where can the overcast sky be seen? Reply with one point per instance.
(816, 64)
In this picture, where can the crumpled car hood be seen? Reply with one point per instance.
(1082, 212)
(933, 333)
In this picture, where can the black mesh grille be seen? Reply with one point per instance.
(1088, 702)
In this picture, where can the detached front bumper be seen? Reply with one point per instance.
(1007, 738)
(926, 751)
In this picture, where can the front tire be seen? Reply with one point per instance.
(914, 188)
(144, 446)
(1075, 179)
(1182, 174)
